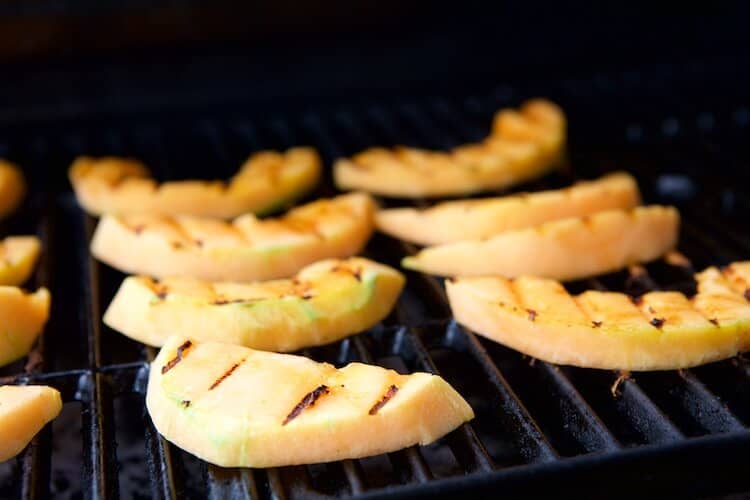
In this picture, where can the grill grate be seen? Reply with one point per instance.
(537, 425)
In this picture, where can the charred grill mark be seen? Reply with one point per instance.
(180, 353)
(713, 321)
(532, 314)
(747, 294)
(392, 390)
(596, 324)
(307, 296)
(185, 403)
(198, 243)
(162, 293)
(223, 302)
(177, 245)
(307, 401)
(356, 273)
(225, 375)
(139, 229)
(658, 322)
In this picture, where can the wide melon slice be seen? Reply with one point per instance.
(268, 181)
(18, 254)
(522, 145)
(12, 187)
(238, 407)
(24, 411)
(656, 331)
(565, 249)
(246, 249)
(22, 317)
(453, 221)
(326, 301)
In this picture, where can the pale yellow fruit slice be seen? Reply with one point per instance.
(523, 145)
(247, 249)
(564, 249)
(657, 331)
(22, 316)
(18, 255)
(453, 221)
(12, 187)
(24, 411)
(267, 181)
(237, 407)
(326, 301)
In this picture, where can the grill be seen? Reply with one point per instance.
(538, 426)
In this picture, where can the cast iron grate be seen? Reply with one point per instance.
(538, 426)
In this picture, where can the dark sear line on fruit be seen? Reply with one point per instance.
(658, 322)
(223, 302)
(225, 375)
(185, 403)
(180, 353)
(747, 294)
(307, 401)
(392, 390)
(532, 314)
(714, 321)
(596, 324)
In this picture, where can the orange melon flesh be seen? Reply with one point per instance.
(237, 407)
(659, 331)
(246, 249)
(453, 221)
(24, 411)
(12, 187)
(565, 249)
(266, 182)
(523, 145)
(325, 302)
(22, 316)
(18, 255)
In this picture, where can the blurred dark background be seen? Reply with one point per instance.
(89, 59)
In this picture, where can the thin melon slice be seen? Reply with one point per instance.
(22, 316)
(12, 187)
(657, 331)
(24, 411)
(565, 249)
(18, 254)
(522, 145)
(246, 249)
(237, 407)
(268, 181)
(325, 302)
(453, 221)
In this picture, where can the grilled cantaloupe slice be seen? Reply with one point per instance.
(18, 254)
(246, 249)
(266, 182)
(453, 221)
(522, 145)
(24, 411)
(326, 301)
(12, 187)
(657, 331)
(564, 249)
(237, 407)
(22, 317)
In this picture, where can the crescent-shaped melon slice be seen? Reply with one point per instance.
(453, 221)
(22, 317)
(246, 249)
(268, 181)
(565, 249)
(326, 301)
(237, 407)
(523, 145)
(24, 411)
(656, 331)
(12, 187)
(18, 254)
